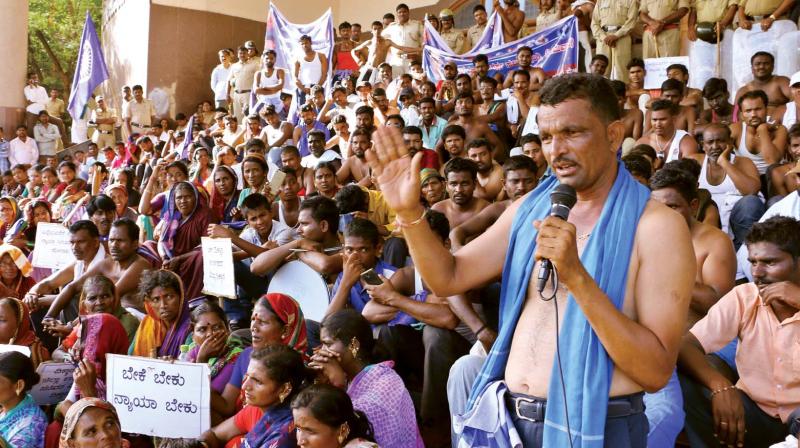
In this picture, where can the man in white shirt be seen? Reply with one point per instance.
(46, 135)
(405, 33)
(316, 144)
(23, 149)
(219, 77)
(139, 114)
(36, 99)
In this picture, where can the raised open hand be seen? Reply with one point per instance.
(396, 172)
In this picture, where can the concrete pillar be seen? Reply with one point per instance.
(14, 54)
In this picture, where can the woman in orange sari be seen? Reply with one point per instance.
(167, 324)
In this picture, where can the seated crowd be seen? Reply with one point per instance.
(290, 180)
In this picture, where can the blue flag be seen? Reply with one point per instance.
(188, 138)
(90, 71)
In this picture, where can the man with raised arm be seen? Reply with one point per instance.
(512, 18)
(624, 316)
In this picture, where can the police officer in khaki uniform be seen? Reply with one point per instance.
(612, 22)
(764, 11)
(104, 118)
(240, 80)
(475, 32)
(454, 38)
(662, 34)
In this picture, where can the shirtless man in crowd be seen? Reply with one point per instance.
(635, 87)
(490, 174)
(475, 128)
(377, 48)
(762, 64)
(692, 97)
(512, 18)
(641, 336)
(355, 168)
(673, 90)
(713, 249)
(519, 177)
(290, 158)
(461, 177)
(632, 118)
(538, 77)
(124, 268)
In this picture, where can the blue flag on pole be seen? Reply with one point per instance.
(188, 138)
(90, 71)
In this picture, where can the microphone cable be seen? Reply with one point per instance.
(551, 297)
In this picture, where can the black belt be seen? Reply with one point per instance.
(760, 18)
(242, 91)
(139, 125)
(526, 407)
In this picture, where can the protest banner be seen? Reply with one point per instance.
(54, 383)
(15, 348)
(159, 398)
(218, 279)
(656, 69)
(52, 248)
(554, 50)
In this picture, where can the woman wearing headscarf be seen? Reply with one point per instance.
(99, 296)
(16, 329)
(167, 325)
(86, 413)
(22, 423)
(224, 195)
(15, 270)
(276, 319)
(119, 194)
(10, 213)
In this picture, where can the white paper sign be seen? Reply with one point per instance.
(55, 382)
(15, 348)
(159, 398)
(218, 279)
(52, 249)
(657, 70)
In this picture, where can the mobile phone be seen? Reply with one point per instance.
(371, 278)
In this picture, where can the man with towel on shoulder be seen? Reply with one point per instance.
(626, 271)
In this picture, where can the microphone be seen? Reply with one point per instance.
(562, 199)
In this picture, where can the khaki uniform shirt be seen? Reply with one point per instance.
(55, 108)
(108, 113)
(760, 7)
(139, 112)
(408, 35)
(241, 75)
(711, 10)
(547, 18)
(454, 38)
(474, 34)
(619, 13)
(658, 9)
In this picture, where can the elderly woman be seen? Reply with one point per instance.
(325, 418)
(345, 361)
(276, 319)
(119, 194)
(167, 324)
(15, 271)
(182, 226)
(275, 375)
(9, 215)
(92, 422)
(16, 329)
(22, 423)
